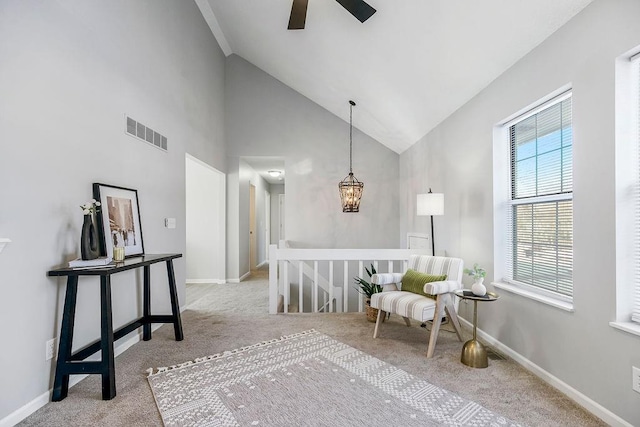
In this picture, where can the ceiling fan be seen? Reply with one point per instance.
(358, 8)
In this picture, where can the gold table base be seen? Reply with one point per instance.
(474, 354)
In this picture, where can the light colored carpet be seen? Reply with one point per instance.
(294, 379)
(235, 315)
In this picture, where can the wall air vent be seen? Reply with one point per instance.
(143, 133)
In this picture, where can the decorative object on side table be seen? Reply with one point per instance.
(367, 289)
(88, 263)
(478, 273)
(89, 238)
(118, 253)
(119, 222)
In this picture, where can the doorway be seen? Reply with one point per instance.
(252, 228)
(267, 222)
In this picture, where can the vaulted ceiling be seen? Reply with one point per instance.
(408, 67)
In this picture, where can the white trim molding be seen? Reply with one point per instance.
(587, 403)
(3, 242)
(244, 276)
(629, 327)
(205, 281)
(536, 295)
(214, 25)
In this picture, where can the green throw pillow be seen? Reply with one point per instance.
(413, 281)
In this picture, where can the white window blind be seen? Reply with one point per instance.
(540, 223)
(635, 315)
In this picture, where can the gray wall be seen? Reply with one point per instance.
(66, 86)
(579, 348)
(70, 71)
(266, 118)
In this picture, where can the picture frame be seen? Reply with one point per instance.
(119, 221)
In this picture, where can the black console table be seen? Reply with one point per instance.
(73, 363)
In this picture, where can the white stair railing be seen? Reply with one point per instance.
(281, 258)
(316, 277)
(324, 285)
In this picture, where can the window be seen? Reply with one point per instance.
(628, 192)
(635, 315)
(539, 234)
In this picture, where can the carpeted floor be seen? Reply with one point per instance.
(235, 315)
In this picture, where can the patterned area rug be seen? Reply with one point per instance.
(306, 379)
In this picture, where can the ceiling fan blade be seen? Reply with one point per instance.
(298, 15)
(358, 8)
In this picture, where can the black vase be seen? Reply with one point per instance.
(89, 239)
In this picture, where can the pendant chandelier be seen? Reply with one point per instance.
(350, 187)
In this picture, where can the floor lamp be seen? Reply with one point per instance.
(430, 204)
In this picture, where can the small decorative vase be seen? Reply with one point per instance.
(478, 288)
(89, 239)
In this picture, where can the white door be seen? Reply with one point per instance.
(205, 222)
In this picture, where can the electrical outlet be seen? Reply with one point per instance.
(50, 347)
(636, 378)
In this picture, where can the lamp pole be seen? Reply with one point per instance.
(433, 242)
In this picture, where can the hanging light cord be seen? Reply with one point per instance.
(351, 104)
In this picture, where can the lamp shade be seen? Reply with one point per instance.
(430, 204)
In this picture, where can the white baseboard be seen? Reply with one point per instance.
(244, 276)
(196, 281)
(37, 403)
(587, 403)
(265, 262)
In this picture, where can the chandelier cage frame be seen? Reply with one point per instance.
(350, 187)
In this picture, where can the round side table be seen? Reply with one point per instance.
(474, 353)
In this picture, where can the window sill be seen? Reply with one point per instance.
(545, 299)
(629, 327)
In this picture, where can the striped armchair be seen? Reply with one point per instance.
(419, 307)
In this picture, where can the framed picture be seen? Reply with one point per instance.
(119, 219)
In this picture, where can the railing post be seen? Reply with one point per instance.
(287, 285)
(273, 279)
(300, 286)
(360, 274)
(331, 307)
(287, 289)
(345, 288)
(314, 297)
